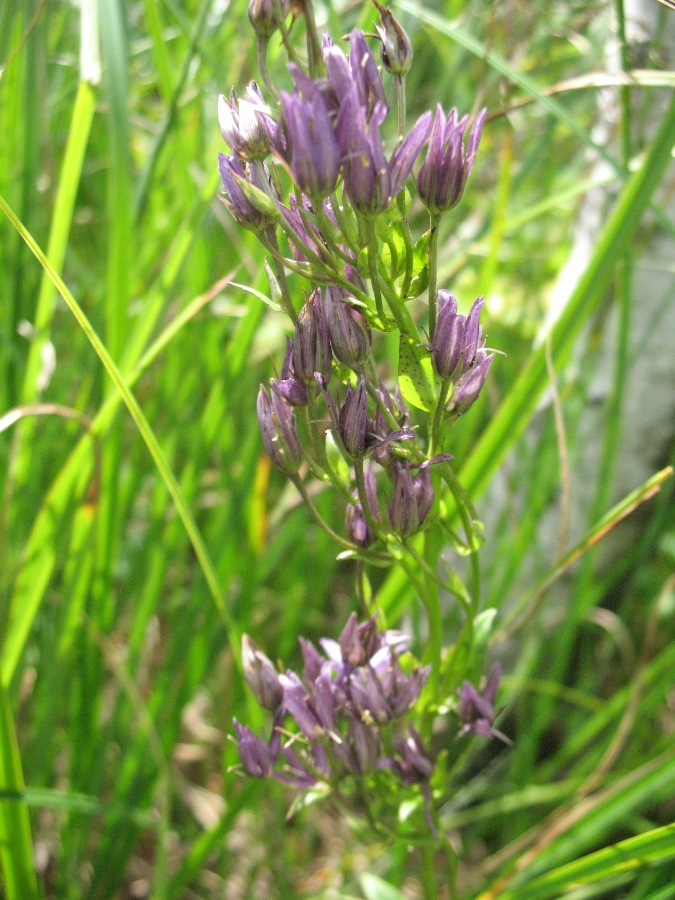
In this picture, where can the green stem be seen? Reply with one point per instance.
(407, 240)
(328, 473)
(403, 318)
(372, 267)
(261, 50)
(281, 278)
(399, 85)
(433, 608)
(342, 225)
(285, 36)
(438, 416)
(428, 871)
(314, 57)
(433, 275)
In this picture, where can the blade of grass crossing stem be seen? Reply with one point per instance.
(16, 847)
(651, 847)
(146, 432)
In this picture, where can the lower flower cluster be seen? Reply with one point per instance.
(347, 707)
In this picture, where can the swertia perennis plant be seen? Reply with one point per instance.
(309, 175)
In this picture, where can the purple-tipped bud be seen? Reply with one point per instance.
(356, 525)
(447, 344)
(350, 334)
(403, 513)
(472, 334)
(289, 388)
(397, 51)
(424, 492)
(477, 711)
(311, 347)
(260, 675)
(256, 756)
(262, 18)
(242, 209)
(368, 697)
(279, 432)
(245, 124)
(447, 165)
(354, 423)
(311, 147)
(470, 385)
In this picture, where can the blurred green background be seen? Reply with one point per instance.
(118, 682)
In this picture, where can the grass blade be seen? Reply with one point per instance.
(16, 847)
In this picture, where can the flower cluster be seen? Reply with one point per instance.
(346, 705)
(347, 194)
(314, 174)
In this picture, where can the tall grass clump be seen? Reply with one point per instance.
(362, 365)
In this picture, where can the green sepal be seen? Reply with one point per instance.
(258, 198)
(336, 460)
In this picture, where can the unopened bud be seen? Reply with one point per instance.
(350, 334)
(260, 675)
(262, 18)
(397, 52)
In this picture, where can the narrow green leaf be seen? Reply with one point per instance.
(16, 848)
(652, 847)
(376, 888)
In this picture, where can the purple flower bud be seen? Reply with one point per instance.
(256, 757)
(260, 675)
(470, 385)
(311, 147)
(241, 208)
(397, 51)
(279, 432)
(350, 334)
(311, 348)
(447, 345)
(447, 166)
(472, 334)
(403, 513)
(356, 525)
(289, 388)
(424, 492)
(354, 421)
(295, 773)
(364, 743)
(262, 18)
(245, 124)
(477, 712)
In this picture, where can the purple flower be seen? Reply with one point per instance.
(245, 124)
(256, 756)
(260, 675)
(297, 702)
(477, 711)
(279, 431)
(447, 165)
(413, 764)
(310, 145)
(370, 180)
